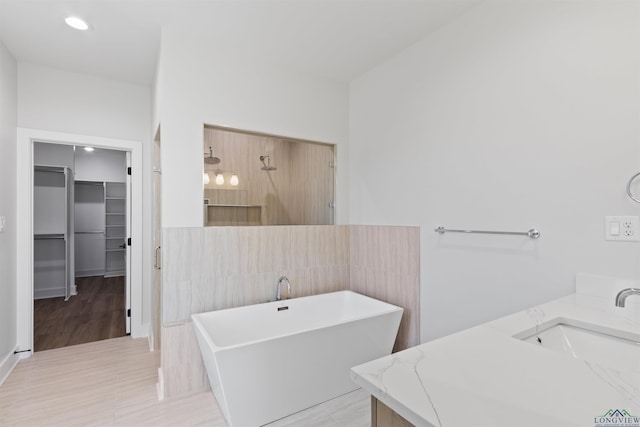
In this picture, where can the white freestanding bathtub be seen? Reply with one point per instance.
(267, 361)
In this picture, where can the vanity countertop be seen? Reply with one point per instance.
(483, 376)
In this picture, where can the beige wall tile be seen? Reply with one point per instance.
(181, 361)
(213, 268)
(385, 264)
(176, 301)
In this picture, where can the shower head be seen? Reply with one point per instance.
(210, 160)
(267, 165)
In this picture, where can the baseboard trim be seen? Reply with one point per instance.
(48, 293)
(7, 364)
(53, 293)
(160, 385)
(89, 273)
(114, 274)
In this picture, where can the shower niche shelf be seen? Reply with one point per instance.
(222, 205)
(233, 214)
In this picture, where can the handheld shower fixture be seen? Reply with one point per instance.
(267, 165)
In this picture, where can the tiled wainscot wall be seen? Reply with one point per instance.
(212, 268)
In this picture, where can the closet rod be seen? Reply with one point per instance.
(48, 236)
(44, 168)
(91, 183)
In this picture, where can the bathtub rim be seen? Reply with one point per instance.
(195, 319)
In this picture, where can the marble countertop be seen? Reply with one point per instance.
(483, 376)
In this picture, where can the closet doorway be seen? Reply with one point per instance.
(81, 256)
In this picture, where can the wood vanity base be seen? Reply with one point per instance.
(383, 416)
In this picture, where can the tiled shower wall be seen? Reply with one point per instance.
(213, 268)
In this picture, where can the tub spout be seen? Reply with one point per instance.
(281, 280)
(623, 294)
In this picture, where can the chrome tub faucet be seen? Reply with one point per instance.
(623, 294)
(281, 280)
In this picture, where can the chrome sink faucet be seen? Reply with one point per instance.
(623, 294)
(281, 280)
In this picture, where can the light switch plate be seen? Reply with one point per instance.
(3, 221)
(622, 228)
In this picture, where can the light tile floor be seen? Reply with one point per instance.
(352, 410)
(113, 383)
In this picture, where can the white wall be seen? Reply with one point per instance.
(60, 101)
(54, 100)
(8, 120)
(516, 115)
(201, 82)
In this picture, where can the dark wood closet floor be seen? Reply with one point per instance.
(96, 313)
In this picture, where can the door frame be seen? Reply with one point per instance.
(24, 224)
(127, 248)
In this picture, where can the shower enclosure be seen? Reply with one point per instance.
(256, 179)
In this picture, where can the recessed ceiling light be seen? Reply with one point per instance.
(77, 23)
(88, 149)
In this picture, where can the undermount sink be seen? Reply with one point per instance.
(609, 347)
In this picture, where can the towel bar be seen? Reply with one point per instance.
(532, 233)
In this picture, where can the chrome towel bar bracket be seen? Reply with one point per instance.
(629, 188)
(532, 233)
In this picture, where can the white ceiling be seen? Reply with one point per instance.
(337, 39)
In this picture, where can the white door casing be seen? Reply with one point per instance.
(24, 224)
(127, 247)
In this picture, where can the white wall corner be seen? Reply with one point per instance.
(142, 331)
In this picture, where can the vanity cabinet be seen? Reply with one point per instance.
(383, 416)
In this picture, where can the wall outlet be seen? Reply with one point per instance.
(622, 228)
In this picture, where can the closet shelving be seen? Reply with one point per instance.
(53, 232)
(89, 228)
(100, 228)
(115, 202)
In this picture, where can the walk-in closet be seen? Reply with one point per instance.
(81, 200)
